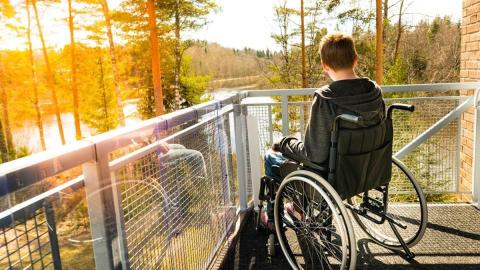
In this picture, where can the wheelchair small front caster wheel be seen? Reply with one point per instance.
(410, 256)
(256, 219)
(271, 245)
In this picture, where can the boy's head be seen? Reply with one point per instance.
(338, 53)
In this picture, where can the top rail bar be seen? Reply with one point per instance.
(386, 88)
(26, 171)
(26, 208)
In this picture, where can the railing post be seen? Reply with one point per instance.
(52, 234)
(476, 152)
(254, 157)
(101, 212)
(240, 148)
(285, 128)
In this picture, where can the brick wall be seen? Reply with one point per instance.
(469, 72)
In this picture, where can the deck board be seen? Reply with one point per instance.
(452, 241)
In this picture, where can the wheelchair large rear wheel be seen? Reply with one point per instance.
(406, 207)
(312, 224)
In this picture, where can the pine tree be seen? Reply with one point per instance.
(50, 75)
(34, 78)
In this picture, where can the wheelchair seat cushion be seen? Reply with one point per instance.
(364, 159)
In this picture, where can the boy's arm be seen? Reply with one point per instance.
(293, 148)
(317, 134)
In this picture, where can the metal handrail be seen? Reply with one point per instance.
(386, 88)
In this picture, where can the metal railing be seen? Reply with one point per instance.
(429, 140)
(118, 200)
(144, 209)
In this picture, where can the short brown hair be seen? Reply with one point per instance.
(338, 51)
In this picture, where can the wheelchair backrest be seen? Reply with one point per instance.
(363, 159)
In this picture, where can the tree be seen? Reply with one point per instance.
(299, 63)
(3, 145)
(76, 117)
(102, 115)
(302, 33)
(399, 32)
(113, 59)
(50, 78)
(5, 111)
(6, 8)
(7, 11)
(155, 55)
(187, 15)
(285, 72)
(379, 47)
(34, 79)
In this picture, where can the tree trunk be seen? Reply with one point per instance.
(34, 80)
(302, 32)
(178, 56)
(385, 18)
(50, 79)
(104, 92)
(76, 117)
(379, 43)
(399, 32)
(113, 59)
(6, 118)
(154, 50)
(304, 64)
(3, 144)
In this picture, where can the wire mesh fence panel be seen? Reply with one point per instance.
(25, 244)
(48, 233)
(178, 201)
(435, 163)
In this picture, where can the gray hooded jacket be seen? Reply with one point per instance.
(361, 97)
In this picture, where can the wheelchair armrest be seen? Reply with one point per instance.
(276, 169)
(399, 106)
(315, 166)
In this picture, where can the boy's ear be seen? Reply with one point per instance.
(355, 61)
(325, 67)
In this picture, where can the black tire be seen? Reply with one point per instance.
(406, 203)
(311, 219)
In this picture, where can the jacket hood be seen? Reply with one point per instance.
(360, 96)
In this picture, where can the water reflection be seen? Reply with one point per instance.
(28, 136)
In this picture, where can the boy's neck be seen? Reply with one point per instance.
(345, 74)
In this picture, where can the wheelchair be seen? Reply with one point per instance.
(304, 209)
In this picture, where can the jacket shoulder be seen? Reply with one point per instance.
(323, 91)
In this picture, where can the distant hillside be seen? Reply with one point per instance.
(228, 67)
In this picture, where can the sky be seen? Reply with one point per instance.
(238, 23)
(250, 23)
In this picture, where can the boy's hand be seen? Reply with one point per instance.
(276, 147)
(163, 147)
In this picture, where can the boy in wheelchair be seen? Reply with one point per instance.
(346, 94)
(344, 162)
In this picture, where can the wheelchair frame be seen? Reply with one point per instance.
(269, 187)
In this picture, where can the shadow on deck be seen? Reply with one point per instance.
(452, 241)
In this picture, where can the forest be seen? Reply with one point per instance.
(134, 62)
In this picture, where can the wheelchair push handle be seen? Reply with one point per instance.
(350, 118)
(399, 106)
(347, 118)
